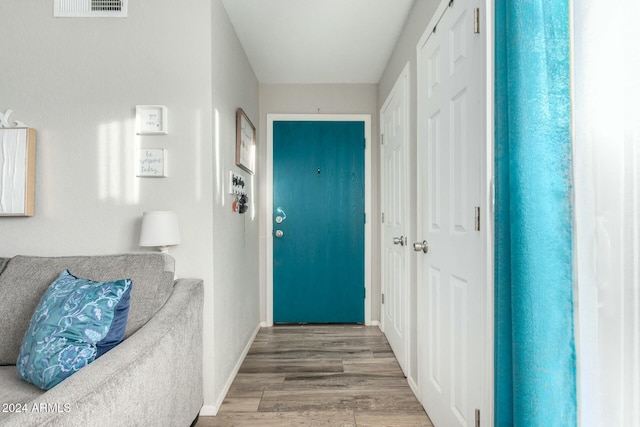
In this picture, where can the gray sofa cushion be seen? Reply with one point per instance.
(14, 390)
(25, 279)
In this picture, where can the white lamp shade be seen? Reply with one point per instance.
(160, 229)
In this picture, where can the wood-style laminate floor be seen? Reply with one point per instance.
(327, 375)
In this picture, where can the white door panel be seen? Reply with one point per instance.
(395, 208)
(451, 276)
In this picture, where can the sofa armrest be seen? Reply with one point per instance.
(154, 377)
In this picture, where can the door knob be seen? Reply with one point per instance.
(400, 240)
(279, 234)
(421, 246)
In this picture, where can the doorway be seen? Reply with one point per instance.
(271, 214)
(318, 238)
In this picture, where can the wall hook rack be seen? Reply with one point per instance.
(237, 190)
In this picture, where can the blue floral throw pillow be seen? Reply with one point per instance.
(71, 318)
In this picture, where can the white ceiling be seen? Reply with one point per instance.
(318, 41)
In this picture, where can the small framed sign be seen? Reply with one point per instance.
(245, 142)
(151, 120)
(152, 163)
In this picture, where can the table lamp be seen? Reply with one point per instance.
(159, 229)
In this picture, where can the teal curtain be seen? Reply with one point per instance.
(535, 366)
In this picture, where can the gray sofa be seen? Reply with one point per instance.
(153, 378)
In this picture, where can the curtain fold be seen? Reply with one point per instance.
(535, 372)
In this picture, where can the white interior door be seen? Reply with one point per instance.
(451, 273)
(394, 121)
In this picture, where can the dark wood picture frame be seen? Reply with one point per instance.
(245, 142)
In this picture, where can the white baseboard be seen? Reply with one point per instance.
(414, 387)
(212, 410)
(209, 411)
(373, 323)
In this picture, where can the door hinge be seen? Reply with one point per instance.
(382, 139)
(365, 217)
(477, 218)
(477, 417)
(365, 143)
(383, 298)
(476, 21)
(382, 215)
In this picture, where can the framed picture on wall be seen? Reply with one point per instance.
(245, 142)
(151, 120)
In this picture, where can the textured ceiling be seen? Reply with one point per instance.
(318, 41)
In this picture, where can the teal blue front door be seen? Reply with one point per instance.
(318, 222)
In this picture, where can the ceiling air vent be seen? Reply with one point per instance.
(90, 8)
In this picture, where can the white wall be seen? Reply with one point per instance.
(607, 206)
(235, 237)
(77, 81)
(322, 99)
(404, 51)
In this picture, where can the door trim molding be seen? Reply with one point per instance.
(488, 220)
(268, 212)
